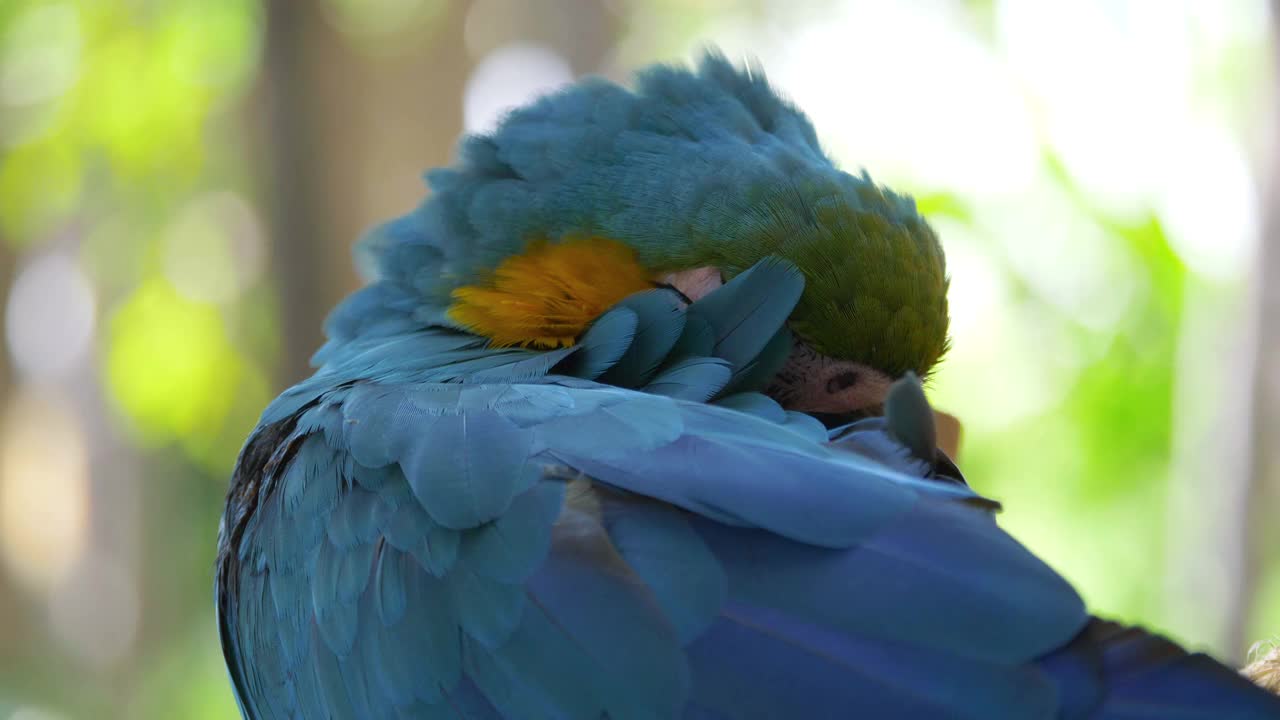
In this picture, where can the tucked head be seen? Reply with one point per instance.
(597, 192)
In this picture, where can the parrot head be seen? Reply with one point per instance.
(597, 192)
(875, 300)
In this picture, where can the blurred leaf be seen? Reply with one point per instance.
(943, 204)
(169, 364)
(39, 187)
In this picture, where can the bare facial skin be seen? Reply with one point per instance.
(813, 382)
(696, 282)
(810, 381)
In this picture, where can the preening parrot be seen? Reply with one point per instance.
(627, 425)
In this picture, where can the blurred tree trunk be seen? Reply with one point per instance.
(299, 231)
(345, 139)
(1255, 521)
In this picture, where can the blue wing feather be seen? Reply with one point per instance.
(695, 379)
(752, 403)
(750, 569)
(836, 675)
(697, 340)
(747, 312)
(757, 374)
(510, 547)
(409, 541)
(660, 547)
(605, 342)
(660, 320)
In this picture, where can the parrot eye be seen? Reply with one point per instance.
(843, 381)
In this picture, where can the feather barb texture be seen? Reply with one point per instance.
(547, 295)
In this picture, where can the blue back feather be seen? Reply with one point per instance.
(430, 528)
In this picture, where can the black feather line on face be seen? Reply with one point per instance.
(668, 286)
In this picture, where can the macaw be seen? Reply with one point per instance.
(628, 425)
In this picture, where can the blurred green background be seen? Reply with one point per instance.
(181, 180)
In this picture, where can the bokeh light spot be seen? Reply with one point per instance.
(49, 317)
(44, 489)
(897, 110)
(508, 77)
(170, 365)
(214, 248)
(213, 44)
(41, 54)
(1064, 256)
(1210, 206)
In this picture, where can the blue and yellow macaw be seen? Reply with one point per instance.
(628, 426)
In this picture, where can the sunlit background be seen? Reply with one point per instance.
(181, 180)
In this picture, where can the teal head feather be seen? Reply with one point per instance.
(691, 168)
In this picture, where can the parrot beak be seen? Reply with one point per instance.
(912, 417)
(949, 432)
(911, 421)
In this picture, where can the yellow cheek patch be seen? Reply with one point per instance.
(546, 296)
